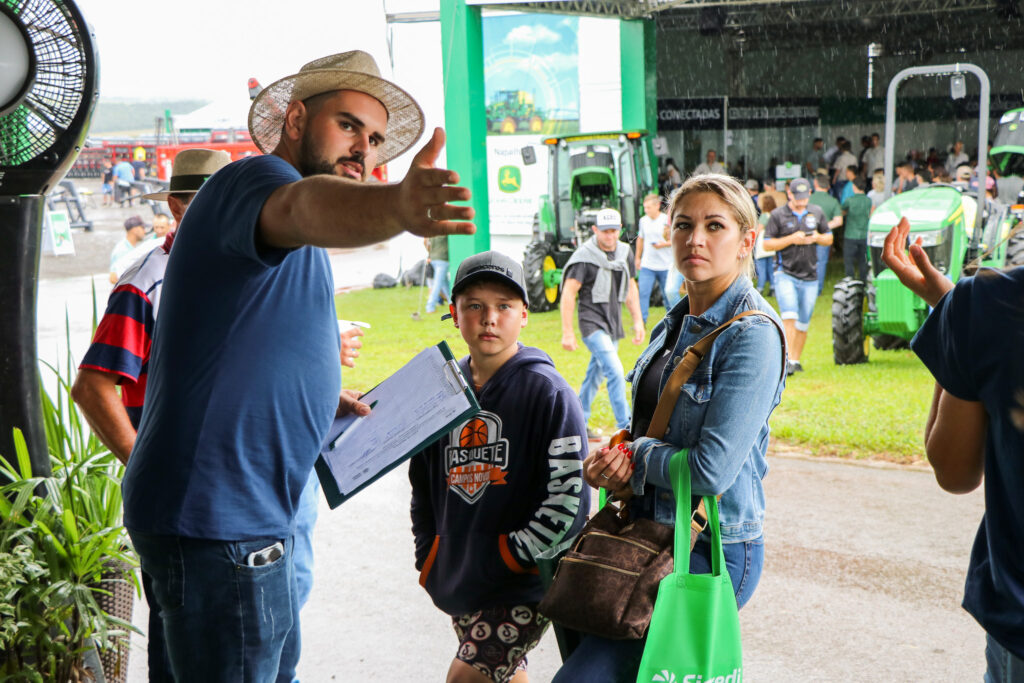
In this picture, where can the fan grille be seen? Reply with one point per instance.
(55, 97)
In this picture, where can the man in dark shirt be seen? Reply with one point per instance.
(601, 272)
(793, 231)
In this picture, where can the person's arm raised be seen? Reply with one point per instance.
(329, 211)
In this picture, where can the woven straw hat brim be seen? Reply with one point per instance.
(405, 118)
(162, 196)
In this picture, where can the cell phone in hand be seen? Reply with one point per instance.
(264, 556)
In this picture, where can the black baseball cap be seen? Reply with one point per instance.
(491, 264)
(800, 188)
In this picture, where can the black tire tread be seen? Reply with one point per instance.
(848, 322)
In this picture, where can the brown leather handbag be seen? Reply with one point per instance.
(607, 582)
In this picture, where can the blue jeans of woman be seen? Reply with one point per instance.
(645, 280)
(604, 363)
(440, 285)
(599, 660)
(1003, 665)
(673, 282)
(763, 269)
(224, 620)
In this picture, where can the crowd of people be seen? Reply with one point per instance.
(223, 407)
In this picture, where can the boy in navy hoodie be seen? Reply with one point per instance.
(502, 486)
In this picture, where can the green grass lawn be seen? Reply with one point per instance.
(874, 410)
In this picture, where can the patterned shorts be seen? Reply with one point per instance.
(495, 641)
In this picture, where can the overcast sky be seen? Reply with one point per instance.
(206, 48)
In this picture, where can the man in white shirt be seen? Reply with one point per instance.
(653, 252)
(956, 158)
(711, 165)
(874, 156)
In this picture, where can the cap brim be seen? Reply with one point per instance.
(405, 118)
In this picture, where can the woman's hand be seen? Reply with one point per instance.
(610, 468)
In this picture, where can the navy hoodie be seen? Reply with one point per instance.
(499, 488)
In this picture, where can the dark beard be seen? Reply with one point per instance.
(310, 163)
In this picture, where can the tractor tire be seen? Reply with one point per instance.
(533, 270)
(1015, 249)
(848, 347)
(889, 342)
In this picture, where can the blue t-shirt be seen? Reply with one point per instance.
(244, 374)
(972, 344)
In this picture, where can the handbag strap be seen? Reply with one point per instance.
(679, 469)
(692, 357)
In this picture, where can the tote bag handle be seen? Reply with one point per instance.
(679, 469)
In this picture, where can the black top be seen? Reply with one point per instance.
(798, 260)
(645, 398)
(599, 316)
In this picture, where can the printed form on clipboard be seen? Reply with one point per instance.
(410, 410)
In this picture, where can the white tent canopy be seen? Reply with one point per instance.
(230, 113)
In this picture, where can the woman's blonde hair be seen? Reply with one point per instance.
(730, 191)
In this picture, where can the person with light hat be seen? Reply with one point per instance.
(119, 354)
(601, 273)
(244, 377)
(794, 230)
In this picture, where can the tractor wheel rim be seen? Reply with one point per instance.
(550, 293)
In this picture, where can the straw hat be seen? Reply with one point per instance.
(355, 70)
(191, 169)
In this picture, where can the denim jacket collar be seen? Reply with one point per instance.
(723, 309)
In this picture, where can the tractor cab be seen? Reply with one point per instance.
(587, 172)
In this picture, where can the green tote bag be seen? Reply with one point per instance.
(694, 635)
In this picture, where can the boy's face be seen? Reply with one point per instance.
(489, 316)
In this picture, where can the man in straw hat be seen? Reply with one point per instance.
(244, 379)
(119, 354)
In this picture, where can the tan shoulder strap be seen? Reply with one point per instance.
(687, 364)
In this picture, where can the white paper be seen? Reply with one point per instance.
(422, 398)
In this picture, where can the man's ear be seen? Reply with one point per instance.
(294, 120)
(177, 208)
(455, 314)
(526, 317)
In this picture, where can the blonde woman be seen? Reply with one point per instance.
(722, 412)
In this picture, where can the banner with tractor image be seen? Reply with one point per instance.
(531, 75)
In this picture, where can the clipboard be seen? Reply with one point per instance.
(344, 466)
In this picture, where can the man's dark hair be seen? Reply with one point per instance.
(903, 164)
(183, 197)
(854, 168)
(876, 135)
(818, 140)
(822, 180)
(859, 183)
(925, 174)
(314, 103)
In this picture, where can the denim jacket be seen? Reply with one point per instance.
(721, 415)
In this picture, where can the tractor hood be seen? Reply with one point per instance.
(928, 208)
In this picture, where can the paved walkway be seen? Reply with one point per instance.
(862, 581)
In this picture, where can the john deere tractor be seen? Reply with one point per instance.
(960, 229)
(513, 111)
(586, 173)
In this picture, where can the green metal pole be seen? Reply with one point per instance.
(465, 118)
(638, 61)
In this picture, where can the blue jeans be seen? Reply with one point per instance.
(763, 268)
(1003, 665)
(599, 660)
(302, 559)
(796, 298)
(646, 279)
(823, 253)
(158, 663)
(673, 282)
(604, 362)
(855, 259)
(223, 619)
(440, 285)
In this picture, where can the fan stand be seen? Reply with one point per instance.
(19, 374)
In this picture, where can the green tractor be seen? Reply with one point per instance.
(586, 173)
(1008, 156)
(513, 111)
(961, 230)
